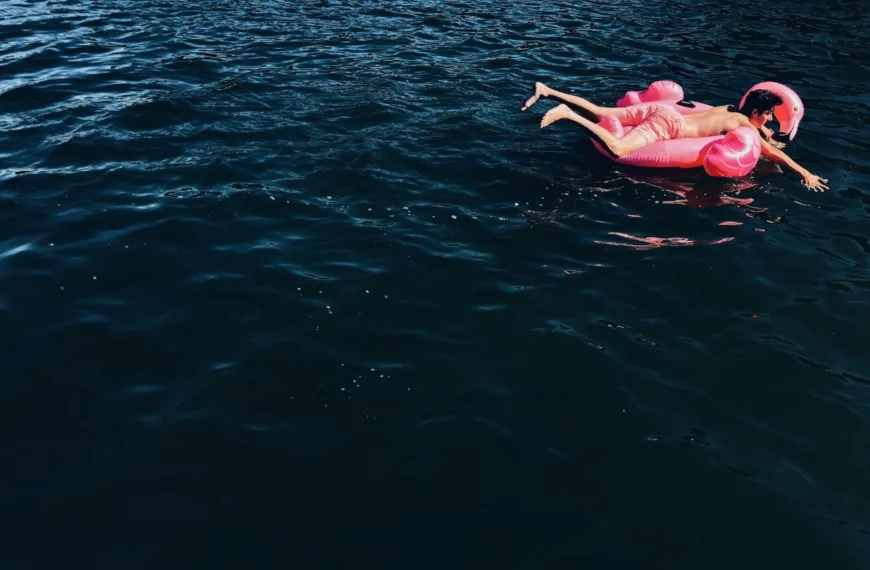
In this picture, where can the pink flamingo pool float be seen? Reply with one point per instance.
(734, 154)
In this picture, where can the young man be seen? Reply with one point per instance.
(660, 122)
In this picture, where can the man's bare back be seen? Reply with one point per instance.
(714, 121)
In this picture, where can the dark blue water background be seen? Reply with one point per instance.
(297, 285)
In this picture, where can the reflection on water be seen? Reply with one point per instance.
(656, 242)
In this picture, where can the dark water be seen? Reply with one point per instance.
(296, 285)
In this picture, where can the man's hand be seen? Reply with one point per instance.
(768, 135)
(815, 183)
(811, 181)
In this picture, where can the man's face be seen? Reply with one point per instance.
(762, 117)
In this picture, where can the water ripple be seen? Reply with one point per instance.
(252, 231)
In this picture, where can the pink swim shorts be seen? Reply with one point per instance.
(655, 122)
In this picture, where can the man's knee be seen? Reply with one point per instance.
(620, 149)
(634, 141)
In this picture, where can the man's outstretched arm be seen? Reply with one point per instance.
(811, 181)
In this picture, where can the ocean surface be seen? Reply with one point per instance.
(296, 284)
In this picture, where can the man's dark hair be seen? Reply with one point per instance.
(760, 100)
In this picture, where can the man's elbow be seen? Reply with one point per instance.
(769, 151)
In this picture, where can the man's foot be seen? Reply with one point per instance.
(555, 114)
(541, 90)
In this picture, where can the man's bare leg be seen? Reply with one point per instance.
(620, 147)
(542, 90)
